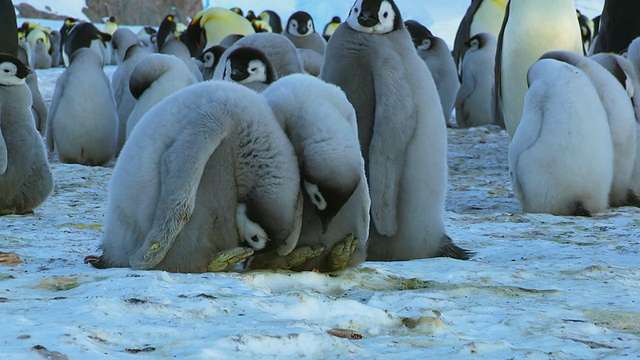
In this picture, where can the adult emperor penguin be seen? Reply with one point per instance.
(8, 28)
(523, 39)
(331, 27)
(323, 131)
(302, 32)
(125, 101)
(166, 30)
(436, 54)
(25, 177)
(83, 89)
(476, 98)
(401, 130)
(273, 19)
(155, 77)
(249, 66)
(622, 123)
(211, 25)
(87, 35)
(279, 50)
(561, 156)
(211, 169)
(618, 26)
(482, 16)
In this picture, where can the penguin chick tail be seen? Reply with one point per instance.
(449, 249)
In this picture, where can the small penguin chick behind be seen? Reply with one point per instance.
(249, 66)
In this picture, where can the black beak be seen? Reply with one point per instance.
(303, 29)
(366, 19)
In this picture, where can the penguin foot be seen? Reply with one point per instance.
(579, 210)
(95, 261)
(341, 253)
(449, 249)
(633, 199)
(229, 258)
(297, 257)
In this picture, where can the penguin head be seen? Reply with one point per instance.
(12, 70)
(246, 65)
(374, 16)
(211, 56)
(300, 24)
(237, 10)
(329, 188)
(477, 41)
(420, 35)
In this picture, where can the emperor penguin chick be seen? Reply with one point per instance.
(210, 168)
(249, 66)
(476, 97)
(522, 41)
(436, 54)
(302, 32)
(621, 119)
(280, 51)
(561, 155)
(323, 131)
(125, 101)
(401, 130)
(25, 177)
(154, 78)
(83, 121)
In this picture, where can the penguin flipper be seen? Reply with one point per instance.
(181, 169)
(394, 125)
(4, 154)
(38, 105)
(53, 108)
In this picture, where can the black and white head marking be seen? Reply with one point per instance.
(12, 71)
(374, 16)
(300, 24)
(252, 233)
(247, 65)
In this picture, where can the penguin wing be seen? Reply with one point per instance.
(394, 125)
(53, 108)
(38, 105)
(464, 92)
(4, 154)
(498, 71)
(181, 169)
(463, 34)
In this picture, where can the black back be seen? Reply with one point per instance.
(8, 28)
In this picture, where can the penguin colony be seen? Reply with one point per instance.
(248, 142)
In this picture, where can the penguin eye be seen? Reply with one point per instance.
(317, 198)
(385, 15)
(310, 24)
(355, 10)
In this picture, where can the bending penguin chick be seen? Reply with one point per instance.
(209, 168)
(561, 155)
(25, 177)
(401, 130)
(83, 89)
(621, 119)
(476, 97)
(154, 78)
(323, 131)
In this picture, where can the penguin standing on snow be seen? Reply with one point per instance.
(25, 177)
(401, 130)
(561, 156)
(211, 169)
(436, 54)
(482, 16)
(523, 39)
(323, 131)
(82, 89)
(476, 97)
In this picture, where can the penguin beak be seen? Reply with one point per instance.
(238, 75)
(303, 29)
(366, 19)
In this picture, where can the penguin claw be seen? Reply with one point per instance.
(341, 253)
(295, 258)
(226, 259)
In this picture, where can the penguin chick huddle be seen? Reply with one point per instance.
(248, 169)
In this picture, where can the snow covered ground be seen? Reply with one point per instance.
(539, 287)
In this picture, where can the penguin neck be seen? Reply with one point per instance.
(488, 17)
